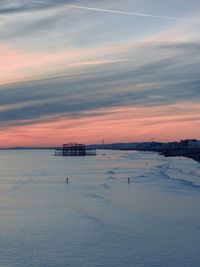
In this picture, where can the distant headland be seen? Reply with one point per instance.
(189, 148)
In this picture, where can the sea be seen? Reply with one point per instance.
(119, 209)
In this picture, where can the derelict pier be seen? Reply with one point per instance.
(74, 150)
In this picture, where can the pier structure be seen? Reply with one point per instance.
(74, 149)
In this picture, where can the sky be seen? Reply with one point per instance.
(83, 71)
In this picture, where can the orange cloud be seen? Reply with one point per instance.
(117, 125)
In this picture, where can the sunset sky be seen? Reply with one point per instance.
(79, 71)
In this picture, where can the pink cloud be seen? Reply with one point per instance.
(22, 65)
(117, 125)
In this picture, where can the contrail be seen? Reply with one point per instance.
(133, 13)
(123, 12)
(40, 2)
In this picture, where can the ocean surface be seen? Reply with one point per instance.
(98, 219)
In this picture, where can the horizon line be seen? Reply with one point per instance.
(97, 144)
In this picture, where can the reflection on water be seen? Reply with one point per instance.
(98, 219)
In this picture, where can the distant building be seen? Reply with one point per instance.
(74, 149)
(190, 143)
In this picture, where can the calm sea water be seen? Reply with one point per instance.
(98, 219)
